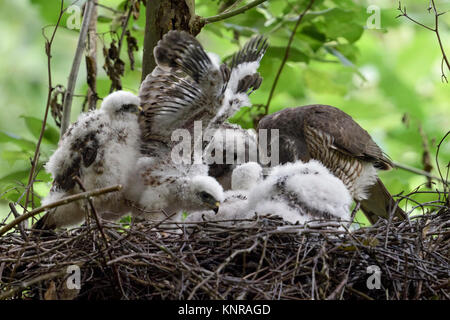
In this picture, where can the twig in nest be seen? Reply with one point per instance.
(209, 264)
(100, 228)
(21, 226)
(27, 284)
(58, 203)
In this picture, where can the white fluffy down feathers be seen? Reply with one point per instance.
(300, 192)
(296, 192)
(157, 187)
(101, 148)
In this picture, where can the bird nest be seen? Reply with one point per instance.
(259, 258)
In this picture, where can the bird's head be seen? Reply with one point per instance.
(245, 176)
(121, 105)
(206, 193)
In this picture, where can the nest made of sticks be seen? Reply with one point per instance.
(261, 258)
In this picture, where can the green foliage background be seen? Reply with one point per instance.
(387, 79)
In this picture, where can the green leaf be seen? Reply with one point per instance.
(34, 125)
(12, 156)
(121, 6)
(13, 179)
(18, 180)
(24, 144)
(125, 219)
(104, 19)
(320, 82)
(295, 55)
(50, 9)
(340, 23)
(343, 59)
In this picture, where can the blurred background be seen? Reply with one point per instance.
(383, 71)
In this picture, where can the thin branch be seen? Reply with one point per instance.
(286, 54)
(124, 28)
(435, 30)
(224, 9)
(22, 286)
(21, 226)
(233, 13)
(404, 14)
(63, 201)
(416, 171)
(223, 265)
(94, 212)
(102, 232)
(108, 8)
(65, 121)
(48, 46)
(338, 289)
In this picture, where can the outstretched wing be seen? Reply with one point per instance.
(244, 65)
(243, 80)
(171, 102)
(180, 50)
(186, 86)
(189, 85)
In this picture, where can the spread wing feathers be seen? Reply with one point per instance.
(243, 79)
(170, 102)
(244, 65)
(188, 84)
(180, 50)
(253, 50)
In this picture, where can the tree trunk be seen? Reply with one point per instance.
(162, 16)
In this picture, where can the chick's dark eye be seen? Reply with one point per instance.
(129, 107)
(205, 195)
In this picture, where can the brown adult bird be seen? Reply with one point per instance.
(331, 136)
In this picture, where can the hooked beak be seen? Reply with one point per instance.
(140, 110)
(216, 208)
